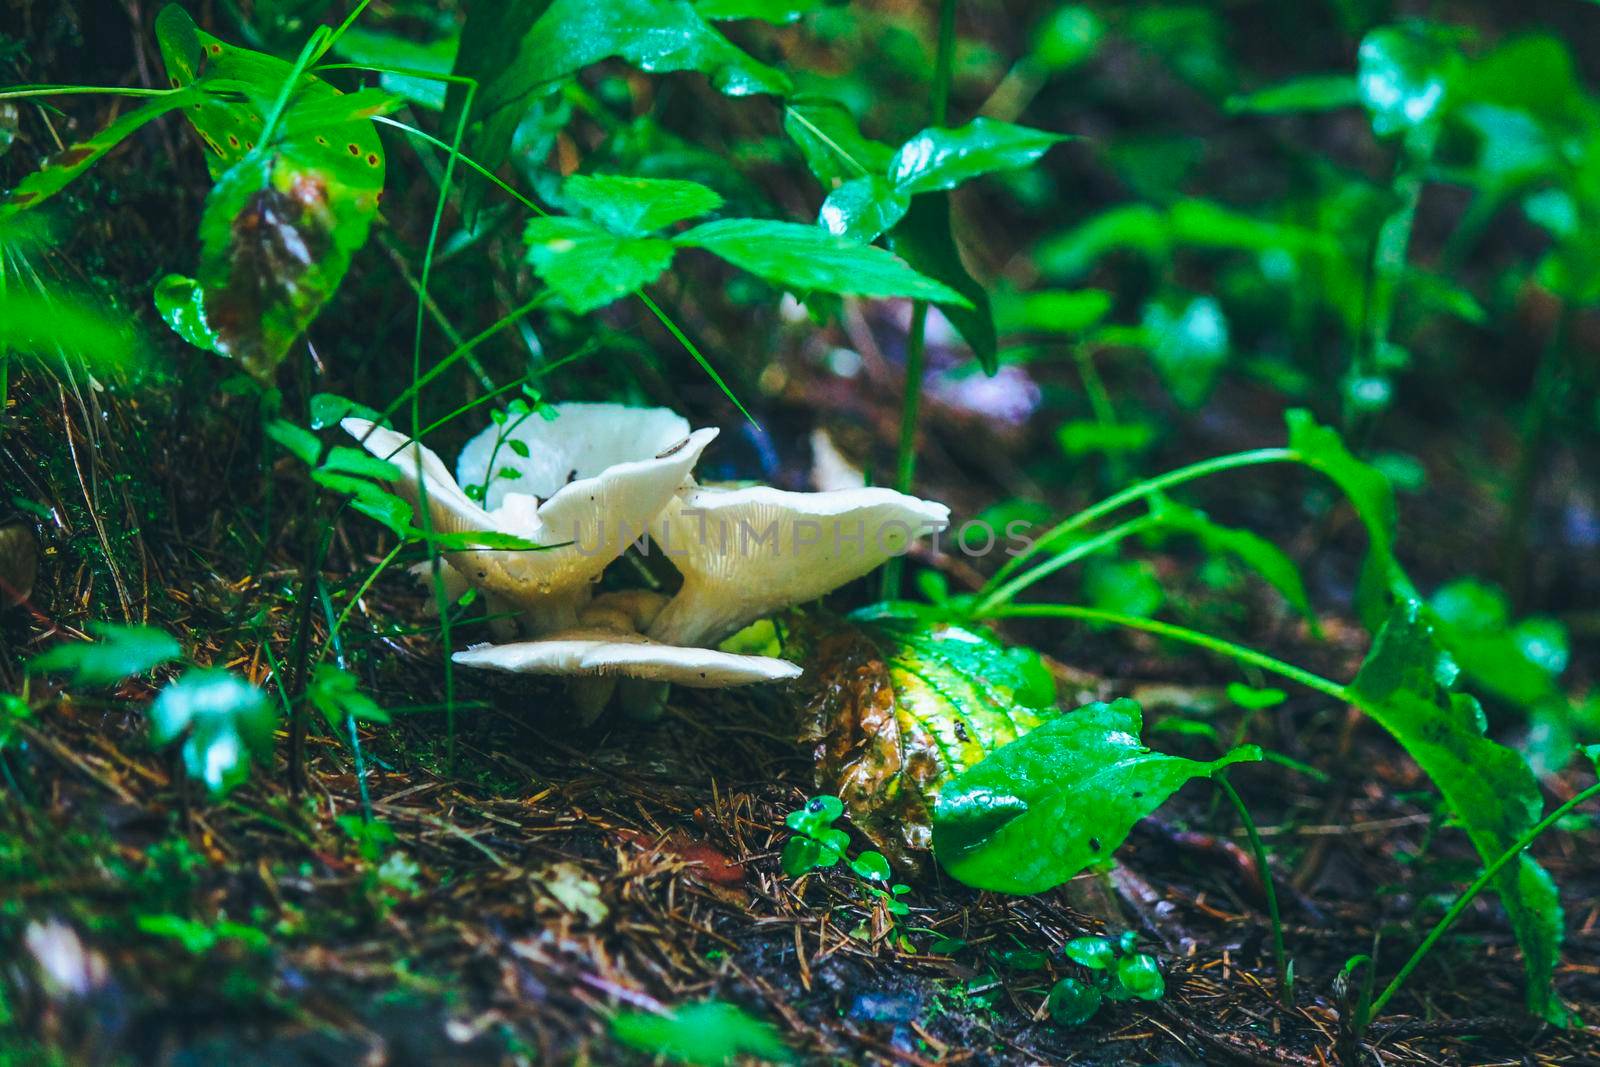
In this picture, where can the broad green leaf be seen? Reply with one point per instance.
(121, 652)
(69, 163)
(1403, 74)
(1251, 549)
(777, 12)
(1313, 92)
(709, 1034)
(1206, 224)
(1080, 437)
(1064, 311)
(637, 207)
(1404, 686)
(338, 695)
(360, 462)
(939, 158)
(803, 258)
(1072, 1002)
(863, 209)
(588, 265)
(830, 141)
(899, 702)
(298, 441)
(1518, 662)
(182, 304)
(924, 240)
(1062, 798)
(228, 723)
(1188, 345)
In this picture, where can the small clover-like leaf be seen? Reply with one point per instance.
(225, 721)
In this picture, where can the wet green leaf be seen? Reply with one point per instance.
(710, 1034)
(121, 652)
(777, 12)
(637, 207)
(898, 703)
(1403, 74)
(939, 158)
(182, 305)
(1403, 685)
(1072, 1002)
(830, 141)
(802, 258)
(1140, 976)
(225, 721)
(872, 866)
(862, 209)
(1064, 796)
(588, 265)
(1095, 953)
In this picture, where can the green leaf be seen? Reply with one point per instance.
(924, 240)
(228, 723)
(1080, 437)
(898, 702)
(283, 219)
(803, 258)
(637, 207)
(863, 209)
(358, 461)
(709, 1033)
(1138, 227)
(338, 695)
(296, 440)
(1519, 663)
(1207, 224)
(872, 866)
(1403, 74)
(1403, 685)
(1125, 586)
(121, 652)
(1251, 549)
(1312, 92)
(818, 814)
(939, 158)
(68, 164)
(1061, 798)
(182, 305)
(1372, 497)
(1065, 311)
(377, 49)
(1069, 35)
(1095, 953)
(51, 326)
(1188, 345)
(1073, 1003)
(1140, 976)
(831, 143)
(588, 265)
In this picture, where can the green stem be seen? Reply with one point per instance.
(1105, 413)
(1466, 898)
(20, 92)
(916, 343)
(1144, 489)
(1285, 984)
(1240, 653)
(1008, 592)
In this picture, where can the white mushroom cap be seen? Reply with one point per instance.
(602, 651)
(749, 552)
(629, 466)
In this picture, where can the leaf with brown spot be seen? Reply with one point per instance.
(897, 705)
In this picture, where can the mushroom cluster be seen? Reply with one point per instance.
(584, 481)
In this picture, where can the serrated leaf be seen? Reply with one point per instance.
(1403, 685)
(637, 207)
(803, 258)
(121, 652)
(939, 158)
(1063, 797)
(899, 703)
(588, 265)
(229, 724)
(66, 165)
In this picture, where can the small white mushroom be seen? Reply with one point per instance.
(748, 552)
(603, 471)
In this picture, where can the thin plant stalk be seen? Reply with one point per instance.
(1285, 978)
(916, 341)
(1467, 897)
